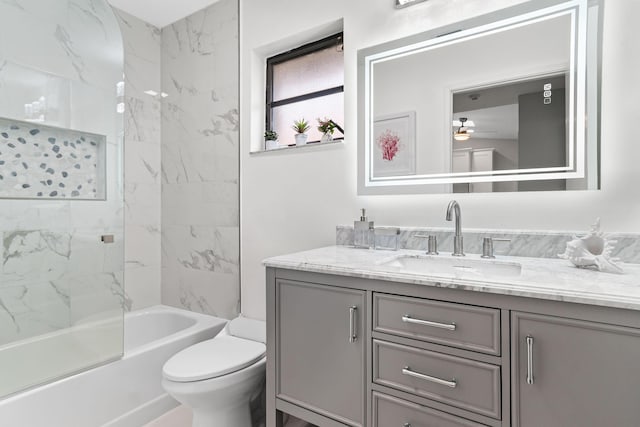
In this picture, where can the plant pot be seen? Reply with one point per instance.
(271, 144)
(326, 137)
(301, 138)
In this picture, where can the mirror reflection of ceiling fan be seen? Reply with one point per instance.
(464, 132)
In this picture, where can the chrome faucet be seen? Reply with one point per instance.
(457, 238)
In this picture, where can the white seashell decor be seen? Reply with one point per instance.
(593, 251)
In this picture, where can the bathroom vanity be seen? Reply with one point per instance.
(376, 338)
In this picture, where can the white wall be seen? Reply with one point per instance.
(292, 201)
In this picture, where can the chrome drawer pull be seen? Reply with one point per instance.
(353, 334)
(529, 360)
(448, 326)
(407, 371)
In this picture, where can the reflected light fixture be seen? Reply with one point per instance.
(462, 134)
(405, 3)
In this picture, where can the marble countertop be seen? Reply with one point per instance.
(551, 279)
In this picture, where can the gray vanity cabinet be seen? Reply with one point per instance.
(321, 347)
(361, 352)
(574, 373)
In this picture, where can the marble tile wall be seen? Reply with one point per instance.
(200, 162)
(539, 244)
(54, 269)
(142, 156)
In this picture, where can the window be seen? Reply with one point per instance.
(306, 83)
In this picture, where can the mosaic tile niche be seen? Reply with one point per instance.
(39, 161)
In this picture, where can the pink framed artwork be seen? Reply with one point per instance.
(394, 145)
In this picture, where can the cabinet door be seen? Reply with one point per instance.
(574, 373)
(481, 160)
(320, 349)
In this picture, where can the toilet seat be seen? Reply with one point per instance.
(213, 358)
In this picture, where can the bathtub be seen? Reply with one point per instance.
(123, 393)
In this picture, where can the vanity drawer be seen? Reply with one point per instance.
(463, 383)
(391, 411)
(457, 325)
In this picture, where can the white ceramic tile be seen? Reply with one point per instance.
(142, 286)
(142, 247)
(213, 249)
(35, 256)
(97, 296)
(34, 215)
(141, 40)
(200, 156)
(33, 309)
(207, 203)
(142, 162)
(142, 204)
(142, 165)
(202, 291)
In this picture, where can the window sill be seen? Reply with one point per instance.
(294, 148)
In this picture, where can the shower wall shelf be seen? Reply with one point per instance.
(39, 161)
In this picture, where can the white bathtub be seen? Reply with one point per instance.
(124, 393)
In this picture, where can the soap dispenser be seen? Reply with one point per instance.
(362, 231)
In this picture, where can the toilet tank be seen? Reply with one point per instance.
(250, 329)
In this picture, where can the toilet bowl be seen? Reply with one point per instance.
(217, 378)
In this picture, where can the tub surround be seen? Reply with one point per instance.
(142, 165)
(540, 278)
(200, 164)
(54, 270)
(523, 243)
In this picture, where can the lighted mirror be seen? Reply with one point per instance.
(503, 102)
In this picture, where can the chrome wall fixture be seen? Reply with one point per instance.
(406, 3)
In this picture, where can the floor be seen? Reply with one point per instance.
(178, 417)
(181, 417)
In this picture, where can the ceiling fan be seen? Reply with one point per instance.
(463, 133)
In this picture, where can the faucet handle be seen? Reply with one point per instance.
(432, 245)
(487, 246)
(432, 242)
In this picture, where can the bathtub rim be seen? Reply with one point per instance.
(203, 321)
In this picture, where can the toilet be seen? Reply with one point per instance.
(217, 378)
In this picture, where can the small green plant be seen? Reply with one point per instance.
(326, 126)
(301, 126)
(271, 135)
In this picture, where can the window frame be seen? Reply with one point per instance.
(306, 49)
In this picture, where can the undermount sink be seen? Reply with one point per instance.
(456, 266)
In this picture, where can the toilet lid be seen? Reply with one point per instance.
(213, 358)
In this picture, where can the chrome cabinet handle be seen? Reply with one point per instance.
(448, 326)
(353, 334)
(407, 371)
(529, 359)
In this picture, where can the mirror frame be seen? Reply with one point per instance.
(585, 97)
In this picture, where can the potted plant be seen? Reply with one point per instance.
(271, 139)
(301, 127)
(326, 127)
